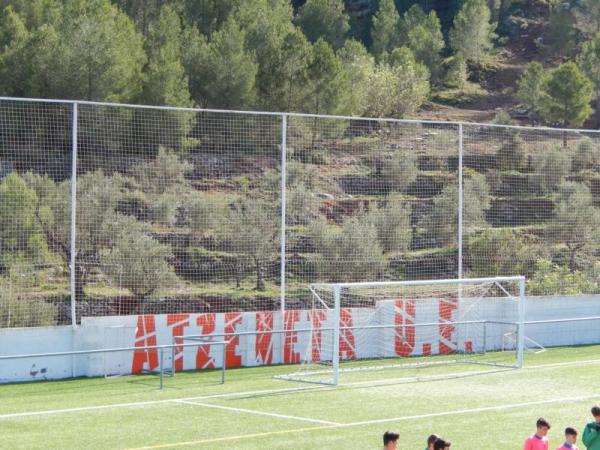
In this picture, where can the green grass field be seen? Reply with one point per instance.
(476, 408)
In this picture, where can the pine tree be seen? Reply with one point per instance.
(566, 96)
(324, 19)
(589, 63)
(425, 39)
(472, 32)
(385, 32)
(530, 87)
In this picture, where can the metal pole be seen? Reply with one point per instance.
(73, 211)
(460, 201)
(283, 211)
(336, 335)
(162, 367)
(521, 326)
(224, 360)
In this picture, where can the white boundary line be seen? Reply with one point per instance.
(374, 422)
(251, 393)
(259, 413)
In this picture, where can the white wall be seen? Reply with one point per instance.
(127, 331)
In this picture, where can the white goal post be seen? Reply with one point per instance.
(356, 328)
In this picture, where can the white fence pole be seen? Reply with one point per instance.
(283, 211)
(73, 212)
(460, 200)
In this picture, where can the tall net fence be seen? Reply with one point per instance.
(180, 210)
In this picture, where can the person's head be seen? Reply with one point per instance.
(596, 412)
(390, 440)
(441, 444)
(431, 440)
(570, 435)
(542, 427)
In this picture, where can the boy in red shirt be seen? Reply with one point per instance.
(538, 440)
(570, 440)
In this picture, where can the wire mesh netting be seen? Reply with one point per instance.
(179, 210)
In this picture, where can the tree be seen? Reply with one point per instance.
(328, 82)
(385, 32)
(412, 82)
(20, 235)
(566, 97)
(165, 83)
(457, 71)
(551, 279)
(228, 70)
(552, 166)
(561, 33)
(293, 74)
(209, 15)
(587, 156)
(588, 16)
(512, 156)
(359, 67)
(589, 63)
(392, 223)
(143, 12)
(351, 253)
(499, 252)
(14, 43)
(576, 221)
(530, 87)
(251, 231)
(324, 19)
(472, 32)
(101, 55)
(139, 263)
(441, 222)
(398, 170)
(425, 38)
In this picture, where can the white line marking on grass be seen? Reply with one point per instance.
(251, 393)
(259, 413)
(371, 422)
(155, 402)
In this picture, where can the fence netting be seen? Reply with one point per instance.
(180, 210)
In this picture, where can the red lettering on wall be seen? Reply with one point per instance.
(178, 322)
(347, 346)
(404, 319)
(203, 359)
(145, 335)
(232, 358)
(447, 307)
(264, 342)
(290, 338)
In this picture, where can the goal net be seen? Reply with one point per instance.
(410, 329)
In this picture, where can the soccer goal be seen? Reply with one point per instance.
(357, 328)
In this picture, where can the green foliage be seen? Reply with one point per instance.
(576, 221)
(20, 235)
(324, 19)
(162, 174)
(206, 212)
(397, 88)
(472, 32)
(138, 263)
(512, 154)
(399, 169)
(358, 65)
(328, 82)
(566, 96)
(392, 223)
(209, 15)
(351, 253)
(588, 16)
(441, 222)
(252, 232)
(499, 252)
(587, 156)
(457, 71)
(301, 205)
(227, 71)
(530, 87)
(425, 39)
(551, 279)
(552, 166)
(561, 33)
(385, 31)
